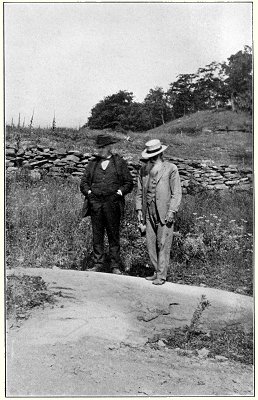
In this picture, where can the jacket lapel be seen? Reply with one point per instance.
(161, 172)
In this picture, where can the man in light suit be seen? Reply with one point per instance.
(157, 201)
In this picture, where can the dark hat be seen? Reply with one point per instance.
(105, 140)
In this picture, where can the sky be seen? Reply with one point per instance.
(63, 58)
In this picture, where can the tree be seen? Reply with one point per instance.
(138, 118)
(158, 107)
(112, 111)
(209, 88)
(180, 95)
(238, 78)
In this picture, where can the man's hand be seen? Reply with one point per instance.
(170, 217)
(139, 216)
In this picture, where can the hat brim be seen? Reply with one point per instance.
(146, 155)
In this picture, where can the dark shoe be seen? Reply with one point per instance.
(151, 278)
(159, 282)
(116, 271)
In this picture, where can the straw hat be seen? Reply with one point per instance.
(153, 148)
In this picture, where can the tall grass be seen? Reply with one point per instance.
(213, 244)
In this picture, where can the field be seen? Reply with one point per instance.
(213, 241)
(219, 137)
(212, 246)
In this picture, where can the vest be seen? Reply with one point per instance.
(151, 191)
(105, 182)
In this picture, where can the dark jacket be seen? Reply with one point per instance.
(122, 171)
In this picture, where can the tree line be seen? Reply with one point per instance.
(217, 85)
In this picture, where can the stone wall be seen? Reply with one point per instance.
(195, 175)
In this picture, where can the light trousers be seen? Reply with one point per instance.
(159, 240)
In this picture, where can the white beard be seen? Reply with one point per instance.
(156, 167)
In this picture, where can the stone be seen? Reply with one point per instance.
(203, 353)
(12, 169)
(9, 163)
(72, 158)
(26, 164)
(231, 183)
(10, 152)
(9, 145)
(20, 153)
(47, 165)
(220, 186)
(231, 169)
(61, 152)
(221, 358)
(43, 154)
(76, 153)
(39, 163)
(87, 155)
(77, 173)
(40, 147)
(160, 343)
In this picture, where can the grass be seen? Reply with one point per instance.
(213, 245)
(228, 342)
(23, 293)
(185, 137)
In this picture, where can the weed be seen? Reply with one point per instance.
(24, 293)
(195, 320)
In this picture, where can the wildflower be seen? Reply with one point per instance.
(194, 213)
(232, 220)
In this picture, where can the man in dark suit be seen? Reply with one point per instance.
(105, 183)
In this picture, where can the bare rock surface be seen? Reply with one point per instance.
(94, 340)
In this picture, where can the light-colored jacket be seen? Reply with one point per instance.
(168, 190)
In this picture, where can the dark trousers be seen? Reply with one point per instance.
(105, 216)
